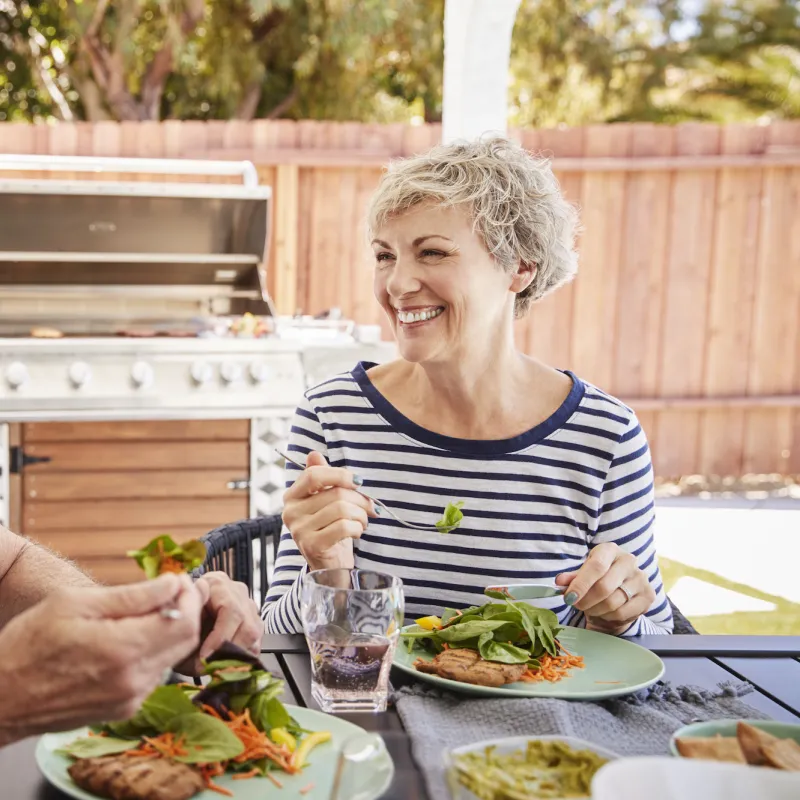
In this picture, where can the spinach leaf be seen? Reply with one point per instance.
(95, 746)
(452, 517)
(133, 728)
(268, 713)
(449, 615)
(491, 610)
(468, 630)
(164, 704)
(502, 652)
(206, 739)
(151, 557)
(495, 594)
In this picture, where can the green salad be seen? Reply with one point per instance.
(510, 632)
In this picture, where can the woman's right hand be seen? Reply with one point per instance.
(324, 513)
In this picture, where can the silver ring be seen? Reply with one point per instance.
(171, 613)
(628, 593)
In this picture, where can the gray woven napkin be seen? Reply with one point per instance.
(640, 724)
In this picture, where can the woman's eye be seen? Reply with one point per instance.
(432, 254)
(383, 256)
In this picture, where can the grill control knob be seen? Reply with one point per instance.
(259, 372)
(142, 374)
(231, 372)
(80, 373)
(201, 372)
(16, 374)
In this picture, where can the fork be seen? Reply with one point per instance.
(432, 528)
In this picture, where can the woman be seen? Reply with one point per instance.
(555, 475)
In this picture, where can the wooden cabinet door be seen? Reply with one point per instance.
(104, 488)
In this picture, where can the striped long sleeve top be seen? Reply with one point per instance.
(534, 505)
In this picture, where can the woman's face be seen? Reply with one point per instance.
(443, 293)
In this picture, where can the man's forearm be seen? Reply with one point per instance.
(31, 572)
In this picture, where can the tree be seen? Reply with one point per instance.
(573, 61)
(196, 59)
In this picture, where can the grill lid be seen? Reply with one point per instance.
(199, 240)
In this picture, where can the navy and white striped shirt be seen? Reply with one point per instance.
(534, 505)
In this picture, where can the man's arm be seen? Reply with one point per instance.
(29, 572)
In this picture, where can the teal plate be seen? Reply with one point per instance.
(613, 667)
(372, 781)
(727, 727)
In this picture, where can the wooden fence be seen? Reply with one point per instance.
(687, 304)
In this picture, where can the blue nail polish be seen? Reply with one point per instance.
(378, 510)
(571, 598)
(358, 480)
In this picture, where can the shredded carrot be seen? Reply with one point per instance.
(307, 789)
(241, 776)
(209, 771)
(244, 668)
(257, 744)
(553, 668)
(210, 710)
(275, 780)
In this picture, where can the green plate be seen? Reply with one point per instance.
(727, 727)
(613, 667)
(372, 780)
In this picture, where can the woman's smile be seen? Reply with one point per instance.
(417, 316)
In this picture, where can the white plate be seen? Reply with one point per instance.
(685, 779)
(509, 745)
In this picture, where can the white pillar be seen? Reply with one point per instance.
(477, 49)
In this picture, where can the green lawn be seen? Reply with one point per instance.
(784, 620)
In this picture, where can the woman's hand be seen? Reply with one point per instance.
(596, 589)
(324, 513)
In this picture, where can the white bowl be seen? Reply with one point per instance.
(687, 779)
(509, 745)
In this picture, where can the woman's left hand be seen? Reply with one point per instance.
(609, 588)
(228, 615)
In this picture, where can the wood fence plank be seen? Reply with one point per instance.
(286, 235)
(773, 357)
(732, 293)
(596, 287)
(686, 299)
(641, 275)
(548, 329)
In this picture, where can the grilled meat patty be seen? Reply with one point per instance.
(126, 778)
(467, 666)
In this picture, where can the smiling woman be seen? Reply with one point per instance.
(554, 475)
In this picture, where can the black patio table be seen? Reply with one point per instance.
(770, 663)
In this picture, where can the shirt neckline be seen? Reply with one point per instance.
(487, 447)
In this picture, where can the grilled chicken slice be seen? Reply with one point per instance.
(126, 778)
(468, 667)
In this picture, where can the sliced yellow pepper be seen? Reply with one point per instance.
(281, 736)
(429, 623)
(307, 745)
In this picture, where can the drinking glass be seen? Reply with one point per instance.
(352, 620)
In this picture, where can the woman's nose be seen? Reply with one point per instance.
(404, 278)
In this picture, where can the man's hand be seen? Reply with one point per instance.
(228, 615)
(90, 655)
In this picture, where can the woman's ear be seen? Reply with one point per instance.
(523, 277)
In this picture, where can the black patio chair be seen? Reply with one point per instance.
(233, 548)
(681, 625)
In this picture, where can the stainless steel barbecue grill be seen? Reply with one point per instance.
(120, 296)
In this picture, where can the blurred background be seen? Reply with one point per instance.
(673, 124)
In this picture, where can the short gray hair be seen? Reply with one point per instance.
(513, 198)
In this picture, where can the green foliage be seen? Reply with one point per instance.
(573, 61)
